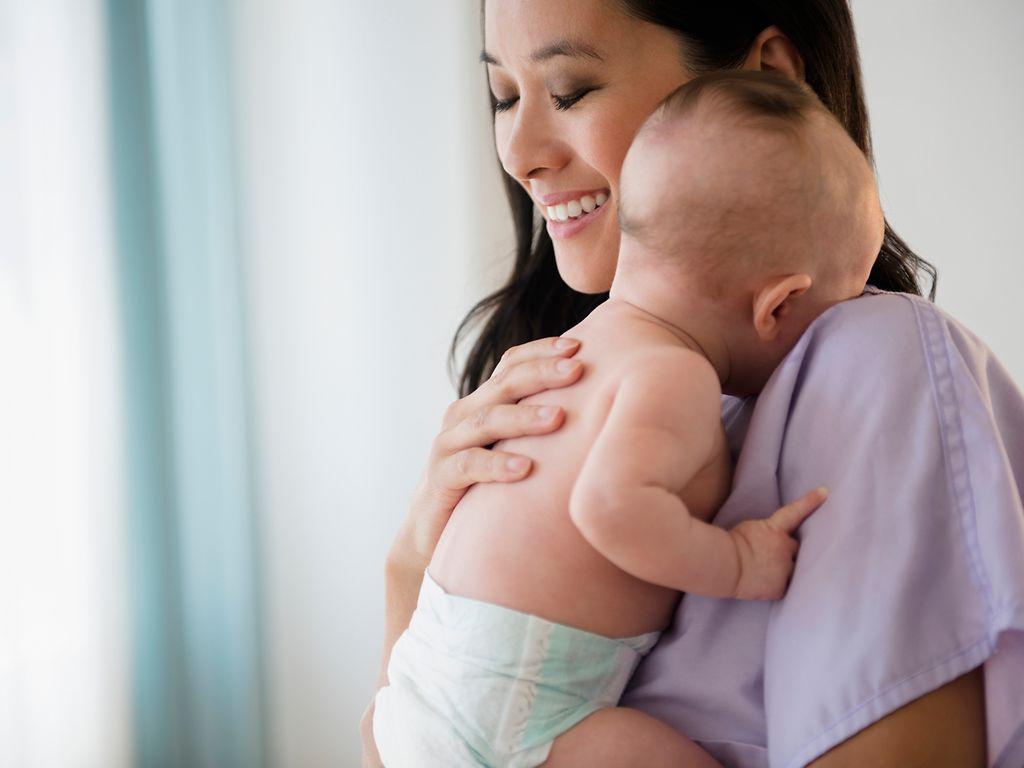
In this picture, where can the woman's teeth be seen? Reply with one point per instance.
(576, 208)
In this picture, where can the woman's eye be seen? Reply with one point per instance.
(561, 102)
(564, 102)
(503, 105)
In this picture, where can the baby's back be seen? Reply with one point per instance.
(515, 545)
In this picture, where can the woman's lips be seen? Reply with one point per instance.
(561, 230)
(564, 197)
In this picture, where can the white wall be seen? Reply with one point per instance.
(364, 146)
(372, 219)
(945, 92)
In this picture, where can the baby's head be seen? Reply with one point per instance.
(743, 196)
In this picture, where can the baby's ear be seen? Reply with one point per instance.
(774, 300)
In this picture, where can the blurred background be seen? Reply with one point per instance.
(235, 240)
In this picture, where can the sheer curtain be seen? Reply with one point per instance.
(197, 690)
(129, 630)
(64, 649)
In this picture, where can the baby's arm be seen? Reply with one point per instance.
(662, 429)
(659, 433)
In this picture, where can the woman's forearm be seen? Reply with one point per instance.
(402, 578)
(942, 729)
(403, 574)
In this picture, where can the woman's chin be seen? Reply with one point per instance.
(585, 275)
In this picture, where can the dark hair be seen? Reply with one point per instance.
(536, 302)
(765, 98)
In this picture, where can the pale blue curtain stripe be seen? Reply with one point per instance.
(198, 687)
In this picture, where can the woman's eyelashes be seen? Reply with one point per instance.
(560, 102)
(502, 105)
(564, 102)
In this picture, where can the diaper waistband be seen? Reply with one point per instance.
(460, 616)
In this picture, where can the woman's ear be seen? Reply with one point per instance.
(774, 301)
(773, 51)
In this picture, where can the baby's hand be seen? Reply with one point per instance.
(767, 550)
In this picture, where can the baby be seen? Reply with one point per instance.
(746, 211)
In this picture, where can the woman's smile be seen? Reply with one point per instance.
(567, 219)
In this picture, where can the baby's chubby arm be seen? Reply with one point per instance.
(659, 433)
(663, 427)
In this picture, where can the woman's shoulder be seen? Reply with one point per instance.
(874, 327)
(865, 359)
(887, 363)
(888, 346)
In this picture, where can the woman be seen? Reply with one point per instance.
(902, 595)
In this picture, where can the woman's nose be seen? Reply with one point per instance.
(531, 144)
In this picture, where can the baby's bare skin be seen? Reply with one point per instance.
(515, 545)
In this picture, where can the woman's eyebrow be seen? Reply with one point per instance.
(571, 48)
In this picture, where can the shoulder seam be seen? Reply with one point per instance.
(954, 451)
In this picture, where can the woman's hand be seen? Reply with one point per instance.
(459, 455)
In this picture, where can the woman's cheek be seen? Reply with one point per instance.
(609, 144)
(501, 142)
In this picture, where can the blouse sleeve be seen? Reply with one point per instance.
(912, 573)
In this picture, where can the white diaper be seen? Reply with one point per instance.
(477, 684)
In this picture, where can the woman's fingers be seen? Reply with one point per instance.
(491, 423)
(789, 517)
(553, 346)
(492, 413)
(523, 370)
(517, 381)
(480, 465)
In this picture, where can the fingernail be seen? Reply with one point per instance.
(823, 491)
(565, 366)
(517, 464)
(545, 413)
(565, 343)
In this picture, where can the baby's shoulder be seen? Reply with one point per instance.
(667, 379)
(664, 362)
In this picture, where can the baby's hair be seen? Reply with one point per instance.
(809, 194)
(766, 99)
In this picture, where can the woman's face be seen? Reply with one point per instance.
(574, 79)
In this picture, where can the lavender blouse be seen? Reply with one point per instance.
(910, 574)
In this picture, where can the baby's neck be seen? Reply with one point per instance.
(637, 311)
(669, 308)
